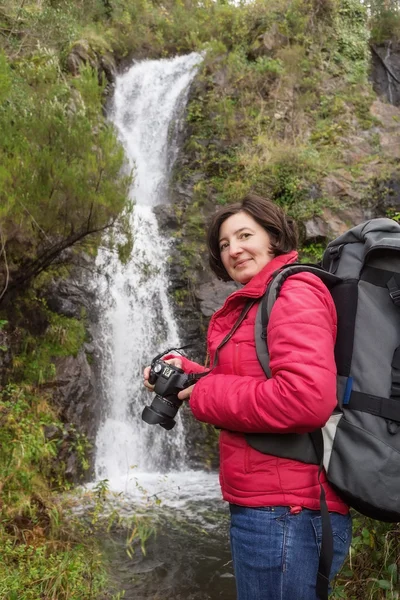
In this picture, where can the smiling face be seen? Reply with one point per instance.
(245, 247)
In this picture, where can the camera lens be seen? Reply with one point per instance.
(150, 417)
(161, 412)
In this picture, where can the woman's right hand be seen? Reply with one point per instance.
(177, 362)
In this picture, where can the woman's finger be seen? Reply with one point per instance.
(186, 393)
(146, 374)
(177, 362)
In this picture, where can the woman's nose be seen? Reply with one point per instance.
(234, 248)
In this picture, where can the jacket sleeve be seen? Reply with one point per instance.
(301, 394)
(189, 366)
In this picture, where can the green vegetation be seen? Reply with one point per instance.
(385, 21)
(293, 90)
(277, 109)
(372, 571)
(60, 165)
(279, 105)
(43, 554)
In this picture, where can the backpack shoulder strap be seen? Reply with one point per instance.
(310, 447)
(268, 300)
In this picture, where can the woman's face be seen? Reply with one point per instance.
(245, 247)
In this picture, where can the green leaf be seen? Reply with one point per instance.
(393, 570)
(384, 584)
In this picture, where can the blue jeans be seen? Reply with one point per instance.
(276, 553)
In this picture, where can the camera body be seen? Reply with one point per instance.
(168, 381)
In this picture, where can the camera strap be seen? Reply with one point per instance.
(240, 320)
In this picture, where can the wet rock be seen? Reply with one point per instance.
(385, 63)
(213, 294)
(75, 394)
(72, 468)
(68, 297)
(108, 66)
(166, 217)
(74, 385)
(185, 190)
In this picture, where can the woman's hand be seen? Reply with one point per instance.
(146, 373)
(186, 393)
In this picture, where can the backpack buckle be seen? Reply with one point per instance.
(395, 296)
(394, 290)
(334, 255)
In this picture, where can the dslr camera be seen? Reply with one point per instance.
(168, 381)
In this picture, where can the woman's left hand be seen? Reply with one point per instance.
(186, 393)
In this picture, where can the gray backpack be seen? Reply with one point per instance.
(360, 444)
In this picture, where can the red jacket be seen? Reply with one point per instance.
(299, 397)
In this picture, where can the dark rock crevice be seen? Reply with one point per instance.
(385, 71)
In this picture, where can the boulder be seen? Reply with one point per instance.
(386, 60)
(166, 217)
(212, 295)
(68, 297)
(74, 388)
(315, 229)
(84, 53)
(75, 395)
(340, 220)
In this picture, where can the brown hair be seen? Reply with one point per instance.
(281, 228)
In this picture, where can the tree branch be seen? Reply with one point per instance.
(34, 220)
(16, 18)
(31, 269)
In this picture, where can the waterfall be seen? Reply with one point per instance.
(136, 321)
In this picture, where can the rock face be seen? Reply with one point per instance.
(75, 396)
(386, 71)
(333, 223)
(212, 294)
(68, 298)
(84, 52)
(75, 391)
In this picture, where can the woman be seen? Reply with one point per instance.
(274, 502)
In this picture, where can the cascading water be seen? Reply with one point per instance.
(136, 320)
(190, 556)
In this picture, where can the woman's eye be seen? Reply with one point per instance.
(223, 246)
(244, 236)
